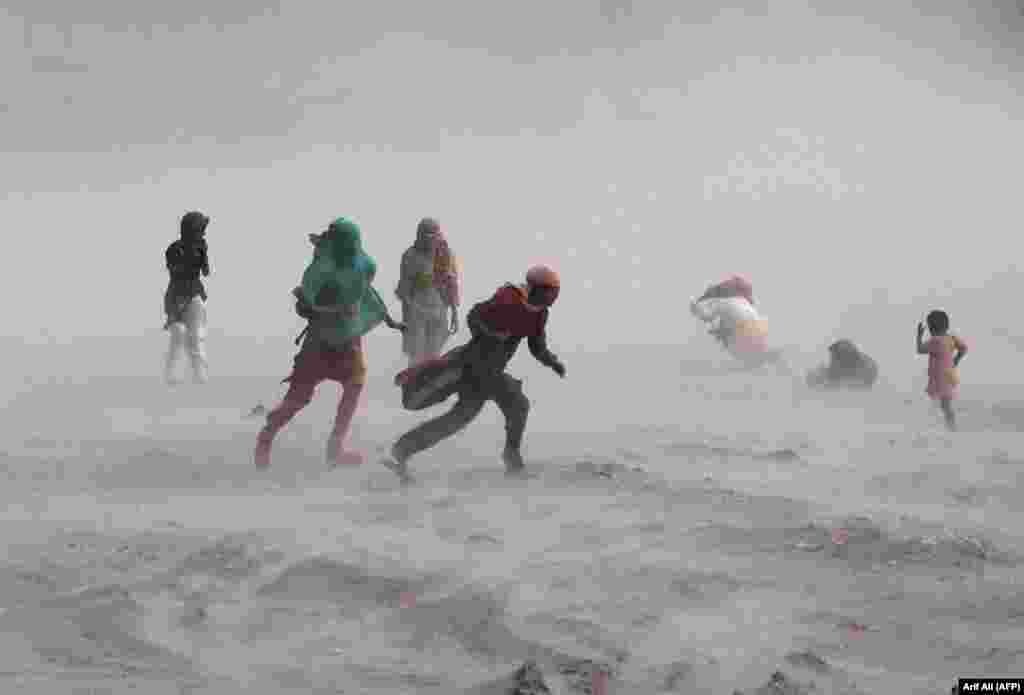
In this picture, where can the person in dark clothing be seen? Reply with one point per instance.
(187, 261)
(848, 367)
(498, 326)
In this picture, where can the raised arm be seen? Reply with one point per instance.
(923, 346)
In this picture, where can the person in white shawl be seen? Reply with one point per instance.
(728, 307)
(429, 289)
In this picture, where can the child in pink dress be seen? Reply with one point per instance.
(944, 351)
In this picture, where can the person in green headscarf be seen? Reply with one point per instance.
(338, 299)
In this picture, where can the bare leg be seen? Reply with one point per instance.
(298, 397)
(947, 411)
(336, 453)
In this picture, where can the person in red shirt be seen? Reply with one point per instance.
(498, 326)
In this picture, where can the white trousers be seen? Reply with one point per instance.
(188, 338)
(426, 332)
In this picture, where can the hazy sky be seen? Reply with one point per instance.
(841, 154)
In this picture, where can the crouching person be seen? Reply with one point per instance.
(847, 367)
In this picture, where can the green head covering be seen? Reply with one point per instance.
(343, 273)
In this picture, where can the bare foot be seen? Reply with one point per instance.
(261, 455)
(346, 458)
(337, 455)
(399, 469)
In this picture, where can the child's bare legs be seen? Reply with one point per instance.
(947, 411)
(336, 453)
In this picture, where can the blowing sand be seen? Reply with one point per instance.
(744, 535)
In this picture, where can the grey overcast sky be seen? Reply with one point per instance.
(868, 151)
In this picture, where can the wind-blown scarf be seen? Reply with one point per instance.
(342, 273)
(446, 272)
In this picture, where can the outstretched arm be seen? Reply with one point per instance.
(539, 349)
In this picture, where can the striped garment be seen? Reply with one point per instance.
(446, 272)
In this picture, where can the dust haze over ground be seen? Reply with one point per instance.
(691, 529)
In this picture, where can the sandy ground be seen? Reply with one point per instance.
(707, 532)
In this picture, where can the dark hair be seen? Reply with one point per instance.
(938, 322)
(193, 225)
(843, 347)
(428, 225)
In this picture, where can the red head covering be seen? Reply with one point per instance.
(430, 238)
(734, 286)
(737, 286)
